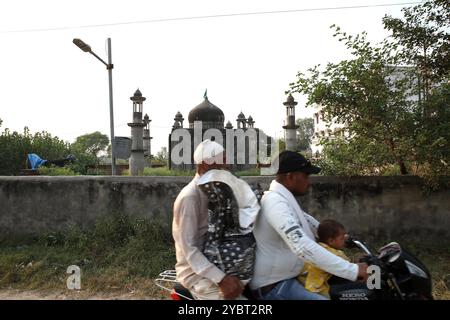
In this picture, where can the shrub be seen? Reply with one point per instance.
(57, 171)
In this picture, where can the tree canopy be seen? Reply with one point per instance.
(393, 96)
(92, 143)
(305, 133)
(15, 147)
(162, 156)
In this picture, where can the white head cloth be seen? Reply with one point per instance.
(208, 151)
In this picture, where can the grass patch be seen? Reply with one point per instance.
(117, 254)
(250, 172)
(122, 255)
(437, 261)
(162, 171)
(57, 171)
(165, 171)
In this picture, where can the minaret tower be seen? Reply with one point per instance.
(147, 139)
(290, 127)
(137, 161)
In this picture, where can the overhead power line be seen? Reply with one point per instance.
(208, 17)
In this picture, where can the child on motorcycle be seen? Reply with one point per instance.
(332, 236)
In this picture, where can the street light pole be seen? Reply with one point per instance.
(109, 66)
(111, 112)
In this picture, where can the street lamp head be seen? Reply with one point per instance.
(80, 44)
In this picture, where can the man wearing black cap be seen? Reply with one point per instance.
(285, 237)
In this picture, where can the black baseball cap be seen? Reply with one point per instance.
(290, 161)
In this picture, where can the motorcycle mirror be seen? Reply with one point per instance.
(390, 252)
(394, 257)
(349, 242)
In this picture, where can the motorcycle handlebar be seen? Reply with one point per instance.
(349, 243)
(370, 258)
(352, 242)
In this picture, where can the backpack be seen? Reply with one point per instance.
(226, 245)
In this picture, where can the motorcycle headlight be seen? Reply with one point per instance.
(413, 269)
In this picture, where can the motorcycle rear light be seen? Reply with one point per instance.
(174, 295)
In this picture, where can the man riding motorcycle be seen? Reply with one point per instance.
(286, 237)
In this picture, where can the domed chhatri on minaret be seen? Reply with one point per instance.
(138, 100)
(241, 121)
(138, 96)
(179, 118)
(250, 122)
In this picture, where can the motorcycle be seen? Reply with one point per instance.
(401, 276)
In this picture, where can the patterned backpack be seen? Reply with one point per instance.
(227, 246)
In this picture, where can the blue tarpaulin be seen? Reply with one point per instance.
(35, 161)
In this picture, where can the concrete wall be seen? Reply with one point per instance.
(382, 208)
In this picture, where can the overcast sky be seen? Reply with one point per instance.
(246, 61)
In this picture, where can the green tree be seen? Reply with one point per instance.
(281, 144)
(15, 147)
(424, 40)
(161, 156)
(83, 160)
(87, 149)
(305, 133)
(91, 143)
(381, 95)
(360, 94)
(357, 156)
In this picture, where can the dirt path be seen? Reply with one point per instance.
(13, 294)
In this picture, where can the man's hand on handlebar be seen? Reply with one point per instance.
(231, 287)
(362, 272)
